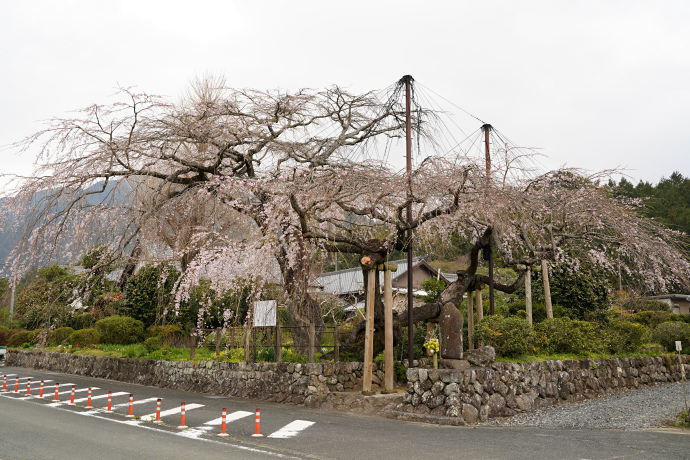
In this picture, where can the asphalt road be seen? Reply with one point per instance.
(31, 428)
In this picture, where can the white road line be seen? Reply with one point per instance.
(177, 410)
(192, 433)
(80, 390)
(291, 429)
(230, 417)
(59, 403)
(141, 401)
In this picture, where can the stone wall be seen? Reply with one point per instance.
(308, 384)
(502, 389)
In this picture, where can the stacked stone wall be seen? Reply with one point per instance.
(504, 389)
(281, 382)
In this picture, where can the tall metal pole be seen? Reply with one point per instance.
(487, 151)
(408, 131)
(487, 130)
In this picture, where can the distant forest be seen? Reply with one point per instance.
(667, 202)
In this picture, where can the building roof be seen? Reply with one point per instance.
(351, 281)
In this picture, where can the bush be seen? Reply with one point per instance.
(510, 336)
(624, 337)
(36, 335)
(82, 321)
(652, 318)
(85, 337)
(18, 339)
(519, 308)
(650, 305)
(120, 330)
(60, 336)
(153, 344)
(666, 334)
(3, 338)
(564, 335)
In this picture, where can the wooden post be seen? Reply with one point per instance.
(547, 288)
(389, 379)
(369, 333)
(528, 293)
(480, 309)
(278, 354)
(246, 344)
(253, 344)
(470, 319)
(312, 337)
(192, 346)
(336, 344)
(218, 337)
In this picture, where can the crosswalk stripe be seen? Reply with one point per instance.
(177, 410)
(230, 417)
(141, 401)
(59, 403)
(291, 429)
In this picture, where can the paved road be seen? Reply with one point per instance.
(31, 428)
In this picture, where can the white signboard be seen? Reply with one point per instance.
(678, 346)
(265, 313)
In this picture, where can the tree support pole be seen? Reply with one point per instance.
(480, 307)
(528, 293)
(389, 380)
(470, 320)
(369, 333)
(547, 288)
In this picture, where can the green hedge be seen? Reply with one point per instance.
(85, 337)
(666, 334)
(563, 335)
(121, 330)
(510, 336)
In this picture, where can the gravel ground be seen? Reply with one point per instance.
(634, 409)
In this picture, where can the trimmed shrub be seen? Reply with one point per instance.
(60, 336)
(563, 335)
(153, 343)
(18, 339)
(624, 337)
(666, 334)
(82, 321)
(121, 330)
(85, 337)
(168, 334)
(652, 318)
(511, 336)
(3, 338)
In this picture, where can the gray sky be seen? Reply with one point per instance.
(595, 84)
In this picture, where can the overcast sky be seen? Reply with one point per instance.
(595, 84)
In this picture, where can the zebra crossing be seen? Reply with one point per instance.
(59, 396)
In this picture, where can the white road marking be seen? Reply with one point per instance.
(59, 403)
(291, 429)
(230, 417)
(191, 433)
(141, 401)
(177, 410)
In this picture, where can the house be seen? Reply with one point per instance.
(679, 303)
(348, 285)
